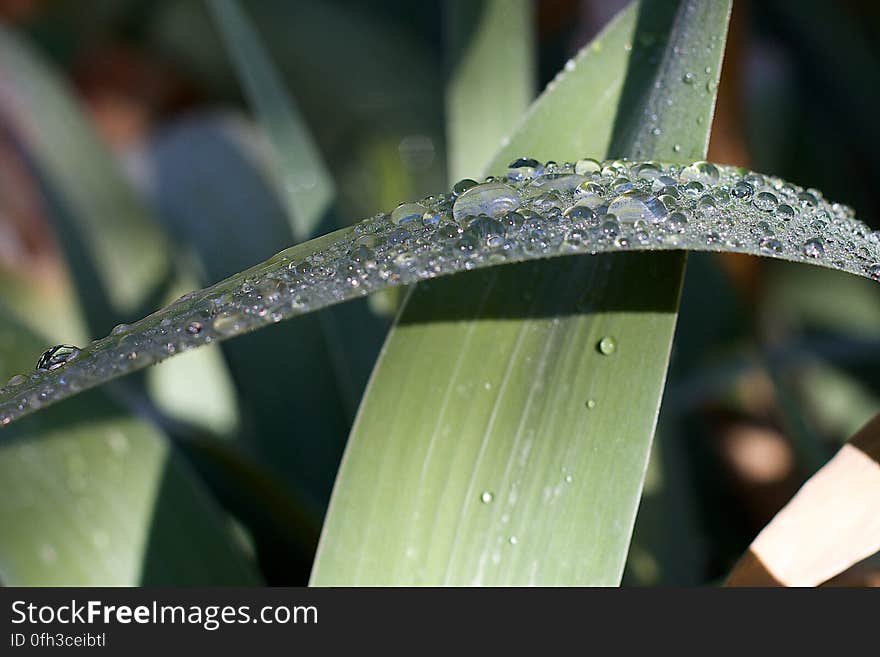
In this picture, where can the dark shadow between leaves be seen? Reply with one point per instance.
(615, 282)
(189, 541)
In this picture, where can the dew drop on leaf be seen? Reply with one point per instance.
(57, 356)
(607, 345)
(492, 199)
(814, 248)
(406, 213)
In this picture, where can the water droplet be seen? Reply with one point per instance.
(702, 172)
(607, 345)
(742, 190)
(522, 169)
(688, 78)
(587, 166)
(784, 211)
(16, 380)
(591, 403)
(554, 182)
(814, 248)
(633, 206)
(590, 194)
(676, 223)
(492, 199)
(807, 200)
(874, 271)
(513, 540)
(766, 201)
(463, 185)
(486, 230)
(56, 357)
(771, 245)
(194, 328)
(610, 228)
(119, 329)
(580, 214)
(487, 497)
(406, 213)
(228, 324)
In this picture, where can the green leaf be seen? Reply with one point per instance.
(481, 109)
(320, 407)
(304, 182)
(117, 255)
(95, 496)
(508, 397)
(340, 266)
(120, 260)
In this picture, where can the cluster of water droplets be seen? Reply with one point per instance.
(535, 210)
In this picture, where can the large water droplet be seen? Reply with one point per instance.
(228, 324)
(587, 166)
(56, 357)
(634, 206)
(703, 172)
(406, 213)
(554, 182)
(766, 201)
(486, 230)
(492, 199)
(522, 169)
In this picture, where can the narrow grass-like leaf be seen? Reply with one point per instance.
(117, 255)
(322, 405)
(304, 182)
(119, 258)
(94, 496)
(536, 433)
(211, 151)
(491, 78)
(379, 253)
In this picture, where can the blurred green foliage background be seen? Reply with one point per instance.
(774, 364)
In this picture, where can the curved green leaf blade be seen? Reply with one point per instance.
(341, 266)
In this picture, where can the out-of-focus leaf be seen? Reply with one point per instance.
(304, 182)
(117, 255)
(832, 522)
(297, 430)
(92, 495)
(481, 107)
(384, 119)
